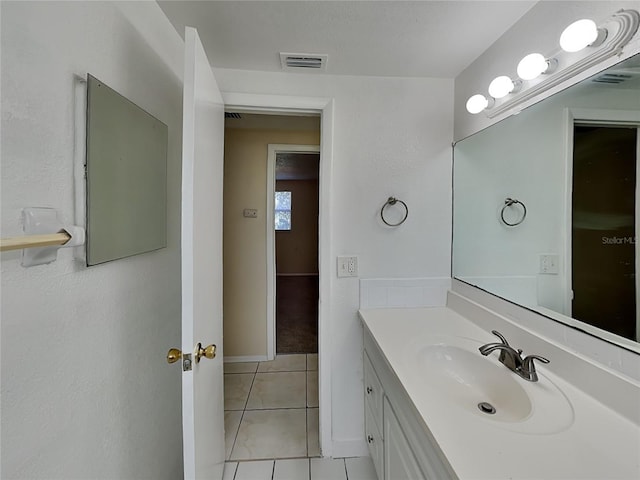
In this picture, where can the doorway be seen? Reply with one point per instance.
(604, 225)
(277, 392)
(296, 188)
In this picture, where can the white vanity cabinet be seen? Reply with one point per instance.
(373, 415)
(400, 444)
(399, 461)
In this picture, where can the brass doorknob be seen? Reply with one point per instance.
(208, 352)
(173, 355)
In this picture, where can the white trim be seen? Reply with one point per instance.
(273, 150)
(350, 448)
(246, 102)
(246, 358)
(566, 215)
(274, 104)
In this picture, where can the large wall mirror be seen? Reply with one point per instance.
(546, 206)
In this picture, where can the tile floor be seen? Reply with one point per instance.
(302, 469)
(271, 408)
(271, 424)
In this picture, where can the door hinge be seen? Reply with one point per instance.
(186, 362)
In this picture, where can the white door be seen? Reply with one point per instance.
(202, 174)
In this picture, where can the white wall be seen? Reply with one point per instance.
(86, 390)
(392, 136)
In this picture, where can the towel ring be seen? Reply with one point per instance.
(508, 202)
(393, 201)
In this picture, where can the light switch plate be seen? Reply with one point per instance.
(250, 213)
(347, 266)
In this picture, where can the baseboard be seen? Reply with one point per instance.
(246, 358)
(350, 448)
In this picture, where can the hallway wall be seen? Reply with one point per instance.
(86, 390)
(245, 264)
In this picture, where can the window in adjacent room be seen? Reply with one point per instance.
(283, 211)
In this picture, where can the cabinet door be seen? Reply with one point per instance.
(374, 441)
(373, 392)
(399, 461)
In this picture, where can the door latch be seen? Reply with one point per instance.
(187, 363)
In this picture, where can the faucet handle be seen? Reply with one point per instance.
(500, 336)
(531, 358)
(529, 367)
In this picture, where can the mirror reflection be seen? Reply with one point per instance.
(545, 206)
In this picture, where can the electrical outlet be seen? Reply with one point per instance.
(549, 264)
(347, 266)
(250, 213)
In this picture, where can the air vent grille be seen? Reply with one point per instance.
(612, 78)
(303, 62)
(232, 115)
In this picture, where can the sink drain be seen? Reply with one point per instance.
(487, 408)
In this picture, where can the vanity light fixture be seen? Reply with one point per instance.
(582, 34)
(534, 65)
(502, 86)
(477, 103)
(607, 38)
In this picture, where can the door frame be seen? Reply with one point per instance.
(273, 150)
(588, 116)
(283, 105)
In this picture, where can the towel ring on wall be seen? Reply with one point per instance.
(393, 201)
(508, 202)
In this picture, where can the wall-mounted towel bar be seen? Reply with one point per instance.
(32, 241)
(45, 234)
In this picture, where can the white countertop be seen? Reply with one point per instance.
(598, 443)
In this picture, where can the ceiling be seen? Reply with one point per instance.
(381, 38)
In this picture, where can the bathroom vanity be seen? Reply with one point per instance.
(424, 379)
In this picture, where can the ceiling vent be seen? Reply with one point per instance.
(303, 62)
(612, 78)
(618, 76)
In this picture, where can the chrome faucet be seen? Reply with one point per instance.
(512, 358)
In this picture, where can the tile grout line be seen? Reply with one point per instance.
(306, 403)
(235, 438)
(306, 428)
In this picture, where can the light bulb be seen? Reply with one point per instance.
(477, 103)
(532, 66)
(501, 86)
(581, 34)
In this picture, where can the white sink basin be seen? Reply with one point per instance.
(468, 379)
(460, 378)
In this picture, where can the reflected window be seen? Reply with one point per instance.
(283, 211)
